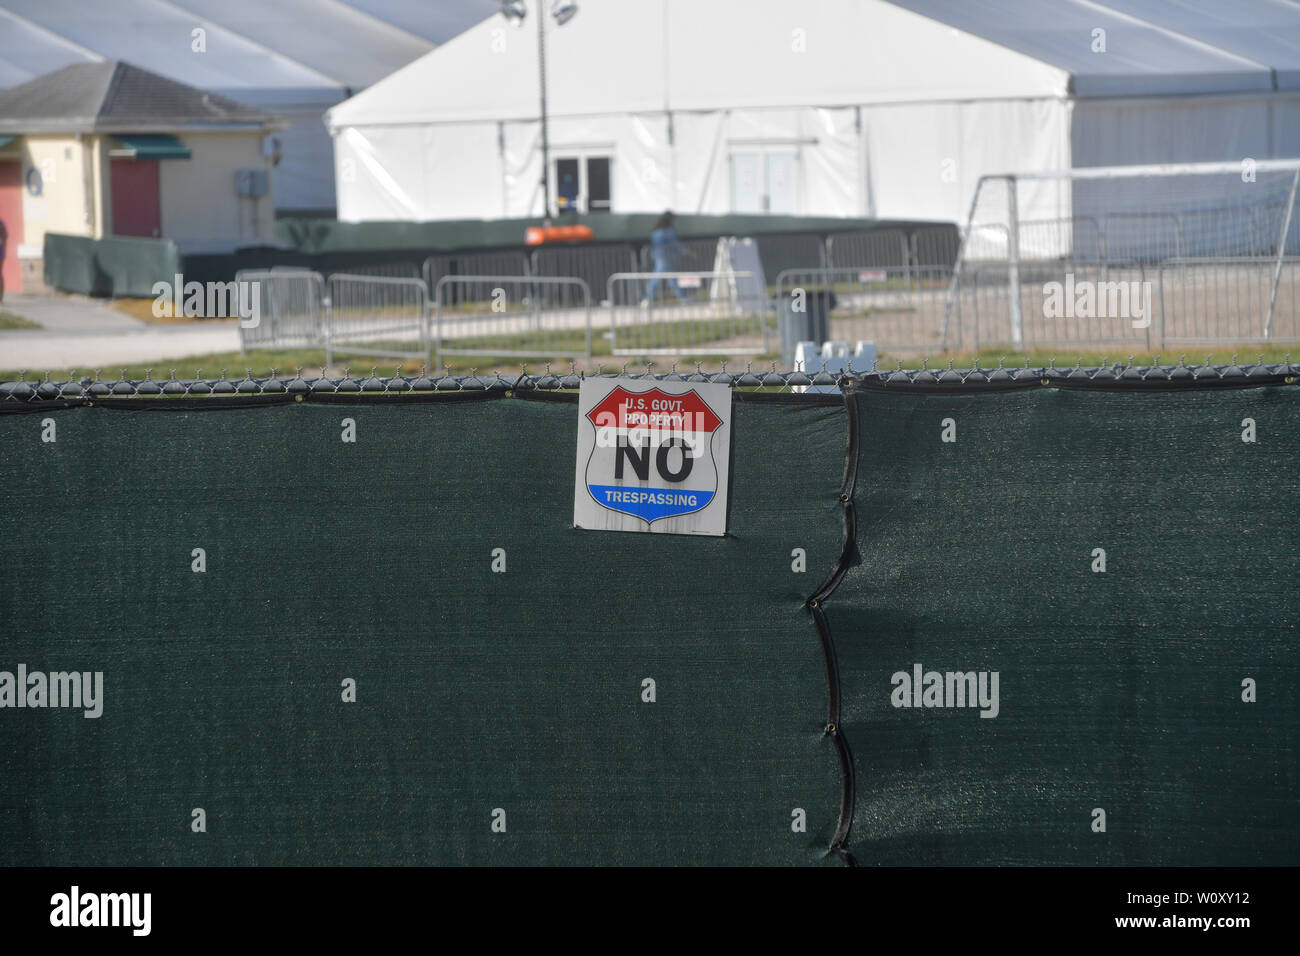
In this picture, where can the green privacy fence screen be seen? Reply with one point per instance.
(500, 657)
(1120, 690)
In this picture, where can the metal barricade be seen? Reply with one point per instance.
(781, 251)
(935, 245)
(497, 263)
(376, 315)
(862, 249)
(593, 264)
(1218, 300)
(290, 305)
(1068, 304)
(1149, 237)
(690, 255)
(512, 316)
(900, 308)
(386, 270)
(687, 313)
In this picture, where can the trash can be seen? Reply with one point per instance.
(809, 323)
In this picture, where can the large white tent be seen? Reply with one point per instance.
(821, 107)
(293, 58)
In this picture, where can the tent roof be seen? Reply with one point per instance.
(309, 52)
(115, 96)
(1153, 47)
(723, 54)
(774, 53)
(436, 22)
(1269, 34)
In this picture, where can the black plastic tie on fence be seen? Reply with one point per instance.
(815, 603)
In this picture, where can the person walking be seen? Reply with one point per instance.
(567, 196)
(665, 249)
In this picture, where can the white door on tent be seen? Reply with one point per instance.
(782, 198)
(765, 182)
(746, 182)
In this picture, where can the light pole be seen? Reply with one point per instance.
(563, 11)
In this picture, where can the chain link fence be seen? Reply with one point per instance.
(1118, 375)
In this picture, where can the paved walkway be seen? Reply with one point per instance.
(86, 334)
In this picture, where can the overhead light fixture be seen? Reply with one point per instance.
(514, 11)
(563, 11)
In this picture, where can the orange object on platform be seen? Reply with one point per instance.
(539, 235)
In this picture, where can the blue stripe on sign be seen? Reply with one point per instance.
(650, 503)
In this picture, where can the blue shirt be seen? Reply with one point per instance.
(663, 248)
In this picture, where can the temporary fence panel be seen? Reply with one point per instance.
(1236, 300)
(374, 315)
(509, 316)
(1077, 304)
(688, 255)
(1079, 239)
(114, 266)
(781, 251)
(385, 270)
(1041, 616)
(1051, 651)
(397, 649)
(899, 308)
(292, 309)
(686, 313)
(935, 246)
(882, 249)
(1146, 236)
(500, 263)
(592, 264)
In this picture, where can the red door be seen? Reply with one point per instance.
(11, 214)
(135, 197)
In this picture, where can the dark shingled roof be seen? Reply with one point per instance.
(113, 96)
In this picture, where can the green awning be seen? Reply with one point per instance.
(6, 140)
(152, 146)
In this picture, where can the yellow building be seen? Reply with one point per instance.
(108, 149)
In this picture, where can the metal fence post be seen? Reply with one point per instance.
(327, 316)
(1013, 262)
(1281, 254)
